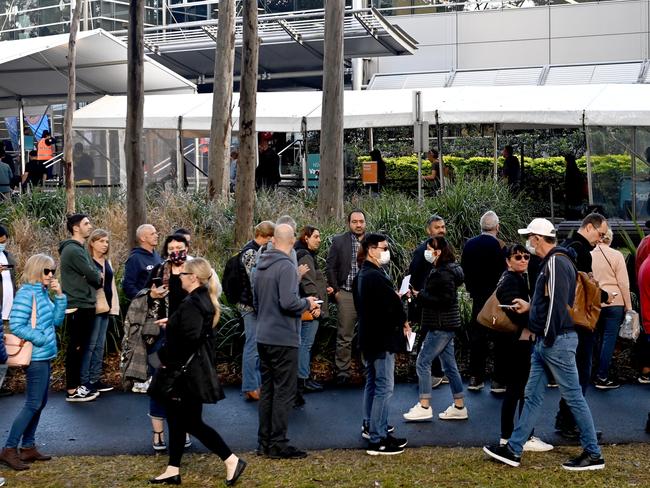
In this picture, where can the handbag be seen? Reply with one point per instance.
(631, 327)
(164, 383)
(307, 316)
(493, 316)
(101, 305)
(19, 351)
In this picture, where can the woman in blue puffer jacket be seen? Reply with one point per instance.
(33, 296)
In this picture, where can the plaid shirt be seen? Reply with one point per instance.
(354, 269)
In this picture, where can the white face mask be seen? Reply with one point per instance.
(428, 255)
(384, 258)
(529, 247)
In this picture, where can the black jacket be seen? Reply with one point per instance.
(380, 311)
(339, 260)
(514, 285)
(483, 263)
(439, 298)
(189, 331)
(419, 268)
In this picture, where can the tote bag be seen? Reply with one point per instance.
(19, 350)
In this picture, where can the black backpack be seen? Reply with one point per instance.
(232, 282)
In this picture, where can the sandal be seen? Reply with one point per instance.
(158, 441)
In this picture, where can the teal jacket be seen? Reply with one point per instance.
(48, 316)
(80, 278)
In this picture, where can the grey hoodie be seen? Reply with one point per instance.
(277, 301)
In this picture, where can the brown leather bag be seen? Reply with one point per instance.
(493, 316)
(19, 350)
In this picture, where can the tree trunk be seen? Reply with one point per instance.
(68, 145)
(245, 191)
(330, 194)
(219, 172)
(136, 206)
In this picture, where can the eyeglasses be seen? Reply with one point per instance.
(48, 271)
(382, 248)
(519, 257)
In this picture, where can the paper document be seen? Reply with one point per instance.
(405, 285)
(410, 341)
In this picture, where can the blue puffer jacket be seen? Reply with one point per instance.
(48, 315)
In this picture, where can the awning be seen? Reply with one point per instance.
(36, 69)
(524, 106)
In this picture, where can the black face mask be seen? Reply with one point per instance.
(177, 257)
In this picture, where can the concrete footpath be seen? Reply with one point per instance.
(116, 423)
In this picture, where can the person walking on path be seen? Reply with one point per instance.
(609, 269)
(34, 317)
(108, 303)
(313, 284)
(382, 333)
(79, 280)
(7, 294)
(438, 300)
(483, 265)
(279, 308)
(555, 348)
(251, 379)
(190, 334)
(141, 261)
(341, 269)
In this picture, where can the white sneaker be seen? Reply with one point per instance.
(418, 412)
(453, 413)
(141, 387)
(535, 444)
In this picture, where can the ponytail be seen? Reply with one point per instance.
(214, 289)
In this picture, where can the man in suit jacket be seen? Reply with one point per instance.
(341, 269)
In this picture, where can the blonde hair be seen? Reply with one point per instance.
(206, 276)
(96, 235)
(33, 272)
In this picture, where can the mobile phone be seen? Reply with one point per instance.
(7, 266)
(509, 307)
(318, 301)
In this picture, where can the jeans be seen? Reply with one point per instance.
(251, 378)
(3, 373)
(561, 360)
(279, 368)
(91, 366)
(79, 325)
(380, 380)
(608, 324)
(38, 381)
(438, 343)
(307, 337)
(345, 332)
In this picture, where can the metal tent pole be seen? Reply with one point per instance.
(588, 158)
(441, 167)
(496, 153)
(21, 128)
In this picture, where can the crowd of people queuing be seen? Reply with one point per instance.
(282, 293)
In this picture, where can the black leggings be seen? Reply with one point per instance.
(518, 371)
(186, 416)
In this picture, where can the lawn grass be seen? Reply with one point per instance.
(627, 465)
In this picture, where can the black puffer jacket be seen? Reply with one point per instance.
(439, 298)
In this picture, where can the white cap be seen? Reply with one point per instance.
(540, 227)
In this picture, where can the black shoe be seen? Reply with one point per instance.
(383, 448)
(241, 466)
(497, 387)
(5, 392)
(299, 401)
(606, 384)
(503, 454)
(396, 441)
(572, 433)
(365, 430)
(101, 387)
(585, 462)
(475, 384)
(170, 480)
(343, 380)
(261, 450)
(312, 386)
(647, 425)
(288, 452)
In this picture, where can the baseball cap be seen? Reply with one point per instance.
(540, 227)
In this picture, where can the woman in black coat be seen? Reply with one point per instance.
(513, 288)
(189, 346)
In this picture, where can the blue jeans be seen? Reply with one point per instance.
(24, 426)
(560, 359)
(91, 365)
(438, 343)
(377, 393)
(250, 368)
(608, 324)
(307, 337)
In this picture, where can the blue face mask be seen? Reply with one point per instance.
(3, 246)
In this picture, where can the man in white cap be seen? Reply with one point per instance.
(555, 348)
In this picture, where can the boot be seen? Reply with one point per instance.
(31, 454)
(9, 456)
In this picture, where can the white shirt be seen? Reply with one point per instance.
(7, 289)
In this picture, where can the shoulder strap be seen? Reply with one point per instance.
(608, 262)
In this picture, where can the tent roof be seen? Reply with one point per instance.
(564, 106)
(36, 69)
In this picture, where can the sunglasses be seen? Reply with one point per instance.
(519, 257)
(48, 271)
